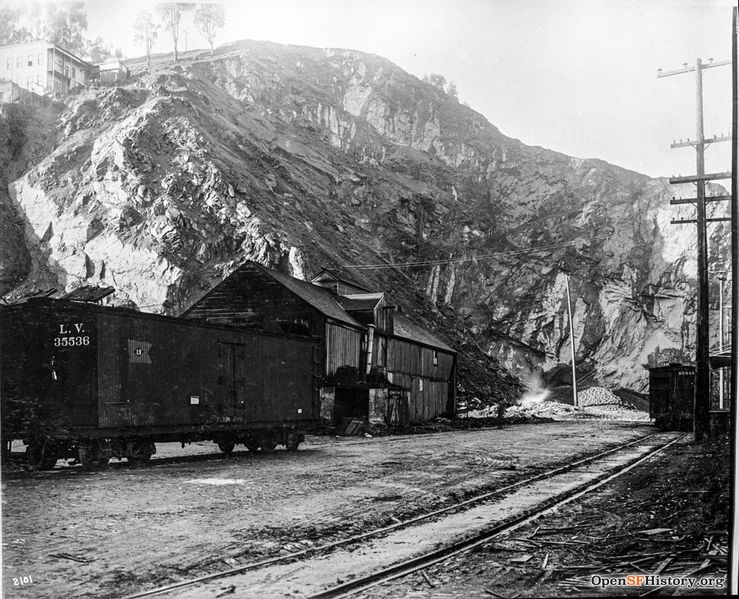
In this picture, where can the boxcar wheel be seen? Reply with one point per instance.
(293, 441)
(268, 442)
(41, 455)
(143, 451)
(251, 442)
(91, 456)
(226, 446)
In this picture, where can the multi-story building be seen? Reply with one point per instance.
(43, 68)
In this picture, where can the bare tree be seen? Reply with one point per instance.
(147, 32)
(171, 14)
(208, 19)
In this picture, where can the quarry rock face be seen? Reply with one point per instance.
(301, 158)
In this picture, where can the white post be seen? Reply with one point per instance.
(572, 341)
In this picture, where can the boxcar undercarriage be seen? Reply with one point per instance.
(94, 449)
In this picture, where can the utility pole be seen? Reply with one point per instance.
(702, 397)
(733, 570)
(721, 280)
(572, 341)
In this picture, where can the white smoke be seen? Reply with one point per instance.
(536, 392)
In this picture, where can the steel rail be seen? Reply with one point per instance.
(423, 561)
(379, 531)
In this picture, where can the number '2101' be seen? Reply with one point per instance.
(71, 341)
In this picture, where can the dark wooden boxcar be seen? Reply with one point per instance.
(671, 390)
(86, 381)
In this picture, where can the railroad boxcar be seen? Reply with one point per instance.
(91, 382)
(671, 390)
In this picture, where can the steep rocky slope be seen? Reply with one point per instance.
(301, 158)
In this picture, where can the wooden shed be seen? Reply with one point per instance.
(415, 359)
(377, 364)
(254, 296)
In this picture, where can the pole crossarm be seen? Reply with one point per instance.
(698, 178)
(702, 388)
(689, 221)
(722, 198)
(693, 143)
(691, 69)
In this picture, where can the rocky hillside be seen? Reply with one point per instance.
(301, 158)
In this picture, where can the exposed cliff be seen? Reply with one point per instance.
(301, 158)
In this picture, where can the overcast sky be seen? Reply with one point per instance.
(575, 76)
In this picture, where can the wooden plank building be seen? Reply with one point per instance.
(375, 362)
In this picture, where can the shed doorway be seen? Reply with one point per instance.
(350, 403)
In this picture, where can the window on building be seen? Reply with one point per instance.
(30, 60)
(9, 64)
(436, 358)
(40, 60)
(74, 73)
(18, 62)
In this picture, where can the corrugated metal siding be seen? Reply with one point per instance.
(342, 347)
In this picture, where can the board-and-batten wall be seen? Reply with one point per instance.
(343, 346)
(412, 366)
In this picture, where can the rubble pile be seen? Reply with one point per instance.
(595, 403)
(598, 396)
(542, 409)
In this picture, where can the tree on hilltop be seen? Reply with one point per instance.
(208, 19)
(170, 14)
(11, 31)
(147, 32)
(99, 51)
(440, 83)
(61, 24)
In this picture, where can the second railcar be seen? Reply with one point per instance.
(92, 382)
(671, 391)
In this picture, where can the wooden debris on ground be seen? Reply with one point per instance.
(428, 580)
(69, 556)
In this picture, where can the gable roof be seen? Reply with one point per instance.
(403, 327)
(360, 301)
(336, 276)
(322, 300)
(317, 297)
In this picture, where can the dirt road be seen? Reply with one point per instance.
(107, 534)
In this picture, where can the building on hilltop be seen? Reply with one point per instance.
(376, 363)
(110, 72)
(43, 68)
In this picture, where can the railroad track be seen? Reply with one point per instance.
(423, 561)
(429, 558)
